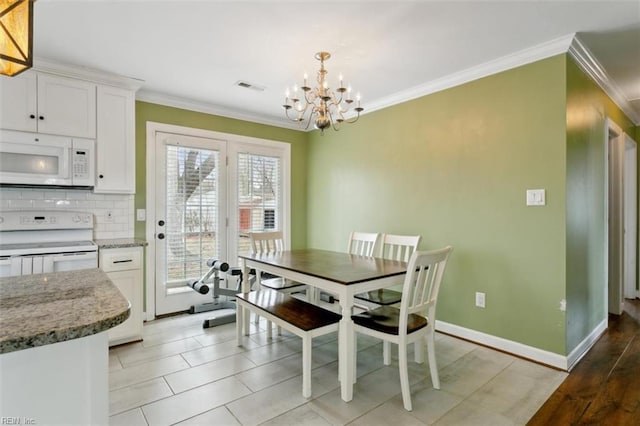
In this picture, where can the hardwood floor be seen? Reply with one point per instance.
(604, 388)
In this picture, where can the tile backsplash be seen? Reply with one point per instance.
(121, 207)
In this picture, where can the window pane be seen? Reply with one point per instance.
(259, 196)
(192, 200)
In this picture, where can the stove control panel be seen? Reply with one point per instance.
(39, 220)
(35, 220)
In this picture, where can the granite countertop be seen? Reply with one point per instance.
(38, 310)
(120, 243)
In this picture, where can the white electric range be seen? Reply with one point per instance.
(35, 242)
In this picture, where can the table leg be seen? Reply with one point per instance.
(346, 347)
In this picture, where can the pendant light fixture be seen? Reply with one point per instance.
(16, 36)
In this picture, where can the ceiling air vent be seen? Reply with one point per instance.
(247, 85)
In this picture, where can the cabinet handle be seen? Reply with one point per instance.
(101, 176)
(32, 116)
(161, 236)
(41, 117)
(123, 261)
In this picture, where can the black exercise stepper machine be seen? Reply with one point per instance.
(201, 286)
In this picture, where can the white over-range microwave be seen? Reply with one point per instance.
(34, 159)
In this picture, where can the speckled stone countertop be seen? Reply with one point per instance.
(120, 243)
(42, 309)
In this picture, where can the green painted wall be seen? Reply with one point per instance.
(454, 167)
(587, 108)
(163, 114)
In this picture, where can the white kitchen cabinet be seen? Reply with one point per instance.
(47, 103)
(115, 144)
(123, 266)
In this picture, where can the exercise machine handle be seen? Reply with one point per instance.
(218, 264)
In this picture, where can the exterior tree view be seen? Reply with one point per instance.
(193, 204)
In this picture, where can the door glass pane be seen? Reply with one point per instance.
(259, 196)
(192, 205)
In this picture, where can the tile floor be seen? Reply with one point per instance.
(184, 374)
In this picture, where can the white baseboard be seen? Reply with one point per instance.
(584, 346)
(561, 362)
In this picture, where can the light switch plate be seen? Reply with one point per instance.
(536, 197)
(141, 215)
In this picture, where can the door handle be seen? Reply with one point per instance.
(161, 236)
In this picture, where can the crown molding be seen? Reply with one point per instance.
(85, 73)
(523, 57)
(590, 65)
(536, 53)
(568, 43)
(207, 108)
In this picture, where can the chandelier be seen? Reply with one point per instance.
(16, 36)
(326, 107)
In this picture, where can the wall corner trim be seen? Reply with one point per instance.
(525, 351)
(590, 65)
(583, 347)
(533, 54)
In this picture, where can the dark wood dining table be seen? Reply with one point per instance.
(340, 274)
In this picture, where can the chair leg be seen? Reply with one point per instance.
(404, 376)
(269, 329)
(418, 350)
(239, 316)
(386, 352)
(306, 367)
(433, 367)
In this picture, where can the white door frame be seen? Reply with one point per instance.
(614, 141)
(153, 128)
(630, 217)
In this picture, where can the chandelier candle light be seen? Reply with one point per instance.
(325, 105)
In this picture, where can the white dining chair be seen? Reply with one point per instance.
(267, 243)
(363, 243)
(393, 247)
(414, 321)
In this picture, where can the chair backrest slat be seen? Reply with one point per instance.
(398, 247)
(266, 242)
(363, 243)
(422, 284)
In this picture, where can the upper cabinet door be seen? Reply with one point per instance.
(116, 148)
(18, 107)
(46, 103)
(66, 106)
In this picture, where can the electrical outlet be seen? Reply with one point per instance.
(109, 217)
(480, 299)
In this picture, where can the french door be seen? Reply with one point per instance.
(205, 192)
(190, 215)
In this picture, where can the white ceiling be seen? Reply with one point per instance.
(193, 52)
